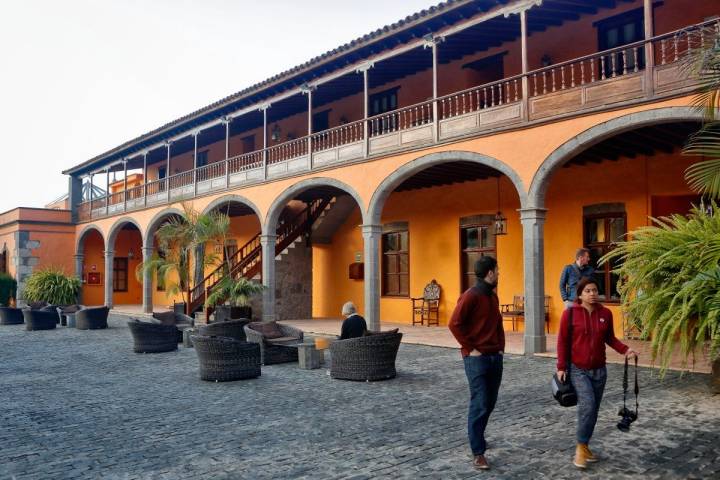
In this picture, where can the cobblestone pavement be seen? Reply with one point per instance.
(81, 404)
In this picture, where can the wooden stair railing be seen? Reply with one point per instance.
(247, 260)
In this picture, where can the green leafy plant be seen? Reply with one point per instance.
(237, 292)
(702, 64)
(52, 286)
(8, 289)
(670, 282)
(182, 240)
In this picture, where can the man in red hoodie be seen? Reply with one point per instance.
(477, 325)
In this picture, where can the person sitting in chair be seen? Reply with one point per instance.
(354, 325)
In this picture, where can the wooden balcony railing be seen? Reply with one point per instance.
(605, 79)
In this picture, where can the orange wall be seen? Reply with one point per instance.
(93, 261)
(630, 180)
(433, 217)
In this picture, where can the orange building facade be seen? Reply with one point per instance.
(519, 129)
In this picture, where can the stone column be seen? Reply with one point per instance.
(371, 236)
(147, 253)
(79, 258)
(109, 256)
(267, 243)
(533, 222)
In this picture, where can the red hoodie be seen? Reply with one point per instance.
(591, 331)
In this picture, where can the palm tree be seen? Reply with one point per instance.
(703, 64)
(182, 240)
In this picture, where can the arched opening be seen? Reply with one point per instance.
(318, 250)
(605, 188)
(156, 294)
(437, 216)
(240, 256)
(125, 242)
(90, 268)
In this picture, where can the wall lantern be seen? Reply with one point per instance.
(275, 133)
(500, 221)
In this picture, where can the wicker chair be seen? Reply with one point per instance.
(223, 359)
(93, 318)
(40, 319)
(152, 337)
(179, 320)
(11, 316)
(365, 358)
(230, 328)
(277, 350)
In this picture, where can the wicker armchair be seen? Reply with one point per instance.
(152, 337)
(365, 358)
(40, 319)
(230, 328)
(92, 318)
(179, 320)
(275, 350)
(11, 316)
(224, 359)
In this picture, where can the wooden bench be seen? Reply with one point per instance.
(516, 310)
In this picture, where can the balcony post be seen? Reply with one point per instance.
(432, 43)
(366, 127)
(649, 50)
(307, 89)
(125, 190)
(145, 178)
(91, 193)
(524, 55)
(265, 153)
(167, 172)
(195, 162)
(227, 121)
(107, 190)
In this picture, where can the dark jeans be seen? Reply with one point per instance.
(484, 374)
(589, 386)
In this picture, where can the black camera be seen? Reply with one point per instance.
(628, 417)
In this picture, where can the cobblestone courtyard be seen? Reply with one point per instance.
(81, 404)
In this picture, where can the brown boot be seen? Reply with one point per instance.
(589, 457)
(580, 458)
(480, 462)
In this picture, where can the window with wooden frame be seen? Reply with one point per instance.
(477, 240)
(602, 232)
(383, 102)
(617, 31)
(120, 275)
(396, 262)
(202, 158)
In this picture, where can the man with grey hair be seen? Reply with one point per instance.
(573, 273)
(354, 325)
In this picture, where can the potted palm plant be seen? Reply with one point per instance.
(231, 298)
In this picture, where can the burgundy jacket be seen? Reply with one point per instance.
(591, 331)
(476, 322)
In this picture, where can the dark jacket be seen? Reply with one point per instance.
(569, 279)
(476, 322)
(591, 331)
(352, 327)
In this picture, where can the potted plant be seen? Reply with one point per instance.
(231, 298)
(51, 286)
(8, 288)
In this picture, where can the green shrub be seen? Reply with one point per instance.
(52, 286)
(8, 288)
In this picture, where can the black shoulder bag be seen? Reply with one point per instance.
(564, 392)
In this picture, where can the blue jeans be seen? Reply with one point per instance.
(484, 374)
(589, 386)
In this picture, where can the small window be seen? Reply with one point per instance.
(396, 264)
(162, 172)
(202, 158)
(476, 241)
(383, 102)
(602, 232)
(120, 275)
(622, 30)
(248, 144)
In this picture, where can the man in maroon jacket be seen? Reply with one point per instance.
(477, 325)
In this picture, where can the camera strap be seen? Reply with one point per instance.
(625, 385)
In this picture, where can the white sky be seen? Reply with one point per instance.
(79, 77)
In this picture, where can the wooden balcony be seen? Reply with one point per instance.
(640, 72)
